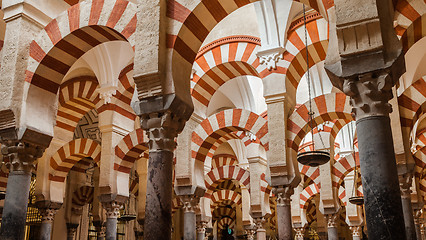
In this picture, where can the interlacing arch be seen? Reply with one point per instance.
(295, 54)
(222, 123)
(225, 195)
(327, 107)
(213, 178)
(191, 22)
(131, 148)
(307, 193)
(70, 154)
(220, 62)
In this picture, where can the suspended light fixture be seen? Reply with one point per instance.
(354, 198)
(312, 158)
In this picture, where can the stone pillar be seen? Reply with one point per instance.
(162, 128)
(418, 222)
(356, 232)
(47, 216)
(332, 226)
(260, 230)
(201, 230)
(299, 233)
(112, 212)
(71, 230)
(20, 163)
(189, 217)
(283, 213)
(405, 182)
(365, 69)
(100, 230)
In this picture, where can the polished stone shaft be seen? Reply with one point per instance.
(111, 229)
(284, 221)
(382, 196)
(189, 220)
(408, 217)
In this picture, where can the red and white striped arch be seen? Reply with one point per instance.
(295, 55)
(71, 153)
(217, 175)
(224, 222)
(410, 21)
(82, 195)
(343, 167)
(412, 104)
(76, 31)
(307, 193)
(327, 107)
(224, 160)
(131, 148)
(192, 21)
(221, 212)
(222, 123)
(220, 62)
(224, 195)
(310, 172)
(264, 186)
(76, 97)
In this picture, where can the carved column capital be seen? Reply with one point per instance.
(112, 208)
(405, 182)
(299, 233)
(162, 129)
(250, 232)
(47, 214)
(20, 156)
(356, 231)
(418, 220)
(100, 228)
(283, 195)
(332, 220)
(369, 93)
(259, 222)
(201, 227)
(190, 203)
(71, 230)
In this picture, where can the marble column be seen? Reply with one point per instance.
(332, 226)
(299, 233)
(366, 70)
(418, 221)
(189, 217)
(405, 182)
(71, 230)
(47, 216)
(356, 232)
(162, 129)
(100, 230)
(20, 157)
(201, 230)
(260, 229)
(112, 212)
(283, 213)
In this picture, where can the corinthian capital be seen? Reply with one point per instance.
(283, 195)
(20, 156)
(332, 220)
(405, 181)
(190, 203)
(112, 208)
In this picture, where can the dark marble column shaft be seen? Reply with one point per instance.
(382, 196)
(111, 229)
(71, 230)
(407, 209)
(47, 216)
(112, 212)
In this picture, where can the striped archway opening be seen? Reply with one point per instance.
(131, 148)
(225, 195)
(217, 175)
(223, 160)
(343, 167)
(410, 19)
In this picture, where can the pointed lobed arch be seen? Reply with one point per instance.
(327, 107)
(192, 21)
(131, 148)
(64, 40)
(71, 153)
(216, 175)
(225, 122)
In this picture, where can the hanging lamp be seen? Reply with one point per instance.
(354, 198)
(312, 158)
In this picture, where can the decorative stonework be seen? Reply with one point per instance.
(418, 220)
(106, 93)
(250, 233)
(356, 231)
(405, 182)
(71, 230)
(259, 222)
(47, 214)
(162, 129)
(112, 208)
(283, 195)
(201, 227)
(299, 233)
(369, 94)
(20, 155)
(332, 220)
(270, 58)
(190, 203)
